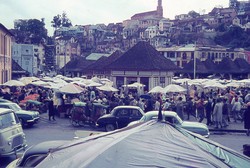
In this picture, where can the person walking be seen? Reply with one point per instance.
(200, 106)
(217, 113)
(225, 113)
(236, 109)
(190, 107)
(179, 108)
(157, 104)
(209, 109)
(51, 110)
(247, 119)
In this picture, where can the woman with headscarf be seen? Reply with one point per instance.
(217, 113)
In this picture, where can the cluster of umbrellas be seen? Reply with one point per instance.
(76, 85)
(177, 85)
(64, 84)
(172, 88)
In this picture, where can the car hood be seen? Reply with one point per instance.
(188, 124)
(27, 112)
(106, 115)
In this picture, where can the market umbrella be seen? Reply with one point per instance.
(13, 83)
(215, 85)
(108, 88)
(28, 80)
(173, 88)
(157, 89)
(134, 85)
(233, 84)
(71, 89)
(93, 84)
(39, 83)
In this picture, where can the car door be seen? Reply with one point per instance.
(122, 117)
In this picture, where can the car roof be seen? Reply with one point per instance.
(165, 113)
(4, 110)
(4, 100)
(7, 103)
(128, 107)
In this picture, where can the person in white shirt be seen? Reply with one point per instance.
(236, 109)
(157, 104)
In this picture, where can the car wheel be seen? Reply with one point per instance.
(110, 127)
(30, 124)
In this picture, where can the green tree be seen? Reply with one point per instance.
(66, 22)
(61, 21)
(30, 31)
(56, 22)
(234, 37)
(193, 14)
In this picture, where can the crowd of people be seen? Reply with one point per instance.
(217, 108)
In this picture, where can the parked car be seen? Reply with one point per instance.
(174, 119)
(35, 154)
(120, 117)
(12, 138)
(4, 100)
(27, 118)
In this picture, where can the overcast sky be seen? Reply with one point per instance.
(82, 12)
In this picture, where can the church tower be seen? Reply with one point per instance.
(160, 9)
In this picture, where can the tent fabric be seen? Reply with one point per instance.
(152, 144)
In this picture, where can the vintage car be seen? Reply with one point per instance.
(174, 119)
(12, 138)
(35, 154)
(120, 117)
(26, 118)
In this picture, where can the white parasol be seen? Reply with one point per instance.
(215, 85)
(157, 89)
(108, 88)
(173, 88)
(13, 83)
(71, 89)
(28, 80)
(39, 83)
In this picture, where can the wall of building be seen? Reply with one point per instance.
(23, 54)
(5, 56)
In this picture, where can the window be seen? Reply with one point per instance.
(162, 80)
(135, 113)
(184, 55)
(122, 113)
(7, 120)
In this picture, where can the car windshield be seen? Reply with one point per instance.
(7, 120)
(15, 107)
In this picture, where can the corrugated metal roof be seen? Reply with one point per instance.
(96, 56)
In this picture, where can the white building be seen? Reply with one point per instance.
(24, 55)
(151, 32)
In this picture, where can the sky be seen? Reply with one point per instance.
(83, 12)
